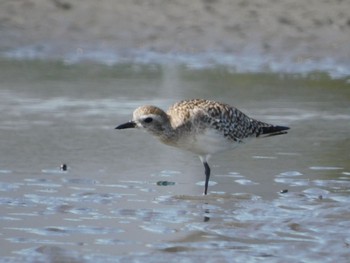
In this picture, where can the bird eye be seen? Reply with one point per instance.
(148, 120)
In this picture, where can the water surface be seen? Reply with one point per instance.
(125, 197)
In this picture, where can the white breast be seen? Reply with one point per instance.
(209, 142)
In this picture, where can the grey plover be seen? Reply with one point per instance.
(201, 126)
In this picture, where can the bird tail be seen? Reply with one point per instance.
(268, 131)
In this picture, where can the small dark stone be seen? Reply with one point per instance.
(165, 183)
(63, 167)
(62, 5)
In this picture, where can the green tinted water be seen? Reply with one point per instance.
(110, 204)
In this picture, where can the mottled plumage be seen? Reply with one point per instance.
(201, 126)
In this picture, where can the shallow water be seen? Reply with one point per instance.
(127, 198)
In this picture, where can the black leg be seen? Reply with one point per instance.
(207, 176)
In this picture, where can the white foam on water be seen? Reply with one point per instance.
(242, 63)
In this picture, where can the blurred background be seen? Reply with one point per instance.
(71, 71)
(249, 35)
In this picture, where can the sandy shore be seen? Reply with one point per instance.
(301, 29)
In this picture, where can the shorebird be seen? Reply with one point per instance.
(202, 127)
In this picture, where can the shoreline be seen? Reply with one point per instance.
(207, 60)
(279, 36)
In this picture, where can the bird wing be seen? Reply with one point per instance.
(231, 122)
(225, 119)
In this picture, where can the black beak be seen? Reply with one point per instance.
(129, 124)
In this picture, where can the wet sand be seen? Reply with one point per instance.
(300, 30)
(125, 197)
(274, 200)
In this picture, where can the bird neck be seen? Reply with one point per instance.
(166, 133)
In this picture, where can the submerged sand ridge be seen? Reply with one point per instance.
(301, 31)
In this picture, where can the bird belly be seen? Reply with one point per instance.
(207, 142)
